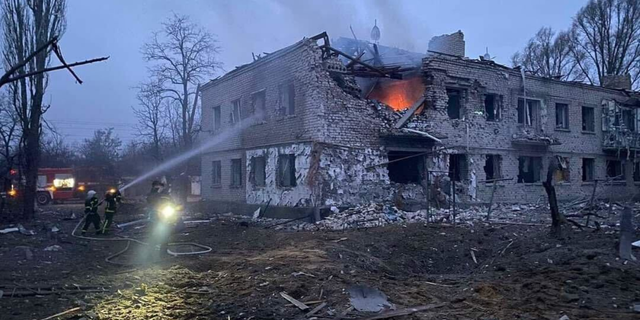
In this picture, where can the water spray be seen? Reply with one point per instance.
(195, 151)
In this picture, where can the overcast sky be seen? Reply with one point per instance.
(118, 28)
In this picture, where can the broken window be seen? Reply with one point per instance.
(588, 119)
(562, 116)
(492, 107)
(615, 170)
(287, 170)
(587, 169)
(287, 99)
(235, 111)
(492, 167)
(257, 175)
(561, 173)
(216, 173)
(453, 103)
(636, 171)
(528, 112)
(529, 169)
(629, 119)
(258, 102)
(458, 167)
(407, 170)
(216, 118)
(236, 172)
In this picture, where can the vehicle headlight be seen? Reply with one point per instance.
(168, 212)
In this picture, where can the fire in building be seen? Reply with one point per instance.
(347, 122)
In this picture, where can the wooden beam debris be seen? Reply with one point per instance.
(409, 113)
(404, 312)
(62, 313)
(295, 302)
(316, 310)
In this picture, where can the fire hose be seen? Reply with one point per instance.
(205, 249)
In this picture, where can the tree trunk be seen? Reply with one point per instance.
(32, 157)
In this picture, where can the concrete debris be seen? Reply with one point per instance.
(636, 244)
(53, 248)
(256, 214)
(636, 307)
(7, 230)
(565, 317)
(364, 298)
(54, 229)
(24, 231)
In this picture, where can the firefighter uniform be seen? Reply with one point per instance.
(91, 212)
(112, 199)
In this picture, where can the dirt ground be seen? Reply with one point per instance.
(521, 273)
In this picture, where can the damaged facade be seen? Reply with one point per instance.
(332, 127)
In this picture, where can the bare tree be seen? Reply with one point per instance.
(549, 55)
(183, 55)
(607, 34)
(56, 153)
(28, 26)
(9, 135)
(151, 112)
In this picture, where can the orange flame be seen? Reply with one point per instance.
(399, 94)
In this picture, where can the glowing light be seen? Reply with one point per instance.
(112, 191)
(52, 188)
(168, 212)
(81, 188)
(64, 183)
(13, 192)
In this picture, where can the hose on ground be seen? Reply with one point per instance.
(205, 249)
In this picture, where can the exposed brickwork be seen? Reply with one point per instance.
(452, 44)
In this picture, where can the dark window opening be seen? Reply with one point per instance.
(561, 173)
(258, 103)
(588, 119)
(235, 112)
(528, 114)
(287, 99)
(216, 173)
(615, 170)
(636, 171)
(407, 170)
(492, 107)
(453, 104)
(562, 116)
(216, 118)
(587, 169)
(629, 119)
(529, 169)
(236, 172)
(287, 170)
(458, 167)
(257, 175)
(492, 167)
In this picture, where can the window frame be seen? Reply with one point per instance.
(235, 112)
(287, 91)
(263, 108)
(236, 170)
(585, 172)
(252, 174)
(565, 126)
(593, 120)
(620, 177)
(539, 175)
(216, 173)
(534, 113)
(291, 159)
(460, 103)
(497, 107)
(217, 118)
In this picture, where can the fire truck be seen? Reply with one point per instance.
(69, 184)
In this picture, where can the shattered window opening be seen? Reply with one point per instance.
(287, 105)
(216, 118)
(562, 116)
(615, 170)
(216, 173)
(458, 167)
(454, 107)
(636, 171)
(588, 119)
(561, 174)
(235, 112)
(587, 169)
(287, 170)
(528, 116)
(405, 171)
(492, 166)
(492, 107)
(258, 103)
(629, 119)
(529, 169)
(257, 175)
(236, 172)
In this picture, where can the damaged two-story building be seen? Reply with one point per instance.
(315, 125)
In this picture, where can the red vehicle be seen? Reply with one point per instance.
(69, 184)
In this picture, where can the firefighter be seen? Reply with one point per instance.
(153, 198)
(91, 212)
(112, 198)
